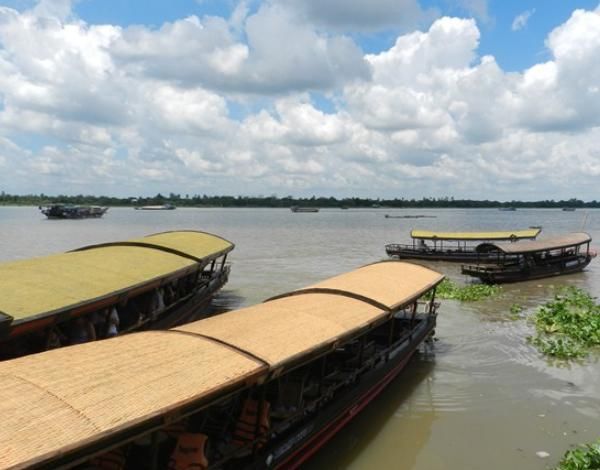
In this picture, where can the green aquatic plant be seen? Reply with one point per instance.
(567, 326)
(584, 457)
(450, 290)
(516, 308)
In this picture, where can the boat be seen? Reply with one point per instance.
(514, 262)
(304, 209)
(417, 216)
(71, 211)
(507, 209)
(453, 246)
(161, 207)
(155, 281)
(568, 209)
(261, 387)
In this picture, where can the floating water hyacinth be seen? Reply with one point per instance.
(567, 326)
(584, 457)
(471, 292)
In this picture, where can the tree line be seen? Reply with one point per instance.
(204, 200)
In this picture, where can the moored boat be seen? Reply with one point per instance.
(112, 288)
(71, 211)
(160, 207)
(554, 256)
(304, 209)
(453, 246)
(261, 387)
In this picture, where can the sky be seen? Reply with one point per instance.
(480, 99)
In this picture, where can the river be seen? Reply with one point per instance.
(484, 400)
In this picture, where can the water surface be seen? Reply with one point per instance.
(484, 400)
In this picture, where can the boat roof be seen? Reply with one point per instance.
(133, 384)
(54, 284)
(552, 243)
(500, 235)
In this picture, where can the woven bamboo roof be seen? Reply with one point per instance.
(64, 399)
(380, 283)
(473, 236)
(552, 243)
(281, 330)
(48, 285)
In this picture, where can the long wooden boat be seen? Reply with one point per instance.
(261, 387)
(70, 211)
(453, 246)
(534, 260)
(155, 281)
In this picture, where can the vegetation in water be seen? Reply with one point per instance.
(567, 326)
(585, 457)
(450, 290)
(515, 311)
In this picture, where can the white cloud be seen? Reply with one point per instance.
(104, 109)
(522, 19)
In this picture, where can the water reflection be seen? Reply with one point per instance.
(399, 418)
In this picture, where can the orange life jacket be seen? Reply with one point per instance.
(245, 428)
(189, 454)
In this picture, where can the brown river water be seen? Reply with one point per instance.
(484, 399)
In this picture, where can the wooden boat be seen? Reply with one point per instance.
(507, 209)
(568, 209)
(152, 282)
(261, 387)
(70, 211)
(453, 246)
(161, 207)
(304, 209)
(533, 260)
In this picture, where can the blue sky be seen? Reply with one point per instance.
(328, 97)
(514, 50)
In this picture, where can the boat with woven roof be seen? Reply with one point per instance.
(261, 387)
(554, 256)
(454, 246)
(155, 281)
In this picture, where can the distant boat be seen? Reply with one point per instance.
(304, 209)
(568, 209)
(506, 209)
(416, 216)
(70, 211)
(163, 207)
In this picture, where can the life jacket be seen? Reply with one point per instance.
(245, 428)
(112, 460)
(189, 453)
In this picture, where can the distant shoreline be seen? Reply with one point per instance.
(287, 202)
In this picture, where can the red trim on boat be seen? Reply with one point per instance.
(302, 454)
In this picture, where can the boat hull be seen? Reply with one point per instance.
(297, 449)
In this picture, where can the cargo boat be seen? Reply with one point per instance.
(261, 387)
(70, 211)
